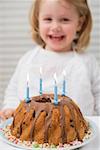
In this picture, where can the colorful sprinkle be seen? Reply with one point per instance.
(7, 133)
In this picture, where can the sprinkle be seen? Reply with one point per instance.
(1, 129)
(7, 133)
(53, 146)
(36, 145)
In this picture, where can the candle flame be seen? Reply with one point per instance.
(40, 70)
(55, 77)
(64, 73)
(27, 78)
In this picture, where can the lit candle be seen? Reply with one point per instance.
(41, 81)
(55, 90)
(27, 89)
(64, 84)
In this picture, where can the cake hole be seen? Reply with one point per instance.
(48, 99)
(23, 122)
(71, 120)
(86, 132)
(31, 119)
(43, 100)
(34, 114)
(46, 113)
(42, 110)
(72, 125)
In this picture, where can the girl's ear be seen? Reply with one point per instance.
(80, 23)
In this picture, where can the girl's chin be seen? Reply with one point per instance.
(56, 49)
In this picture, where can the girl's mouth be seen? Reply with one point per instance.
(56, 38)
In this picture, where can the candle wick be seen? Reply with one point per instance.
(55, 82)
(40, 76)
(64, 77)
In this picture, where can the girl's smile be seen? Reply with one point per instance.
(56, 38)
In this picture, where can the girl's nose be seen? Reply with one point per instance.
(56, 27)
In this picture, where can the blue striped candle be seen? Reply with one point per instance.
(41, 90)
(27, 90)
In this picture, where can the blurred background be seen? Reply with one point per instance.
(15, 36)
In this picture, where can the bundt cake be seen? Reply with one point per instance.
(42, 121)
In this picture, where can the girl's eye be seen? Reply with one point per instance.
(64, 19)
(47, 19)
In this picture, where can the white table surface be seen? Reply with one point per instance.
(93, 145)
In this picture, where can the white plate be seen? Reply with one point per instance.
(9, 121)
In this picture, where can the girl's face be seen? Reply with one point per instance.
(58, 24)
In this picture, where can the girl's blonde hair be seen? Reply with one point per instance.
(83, 35)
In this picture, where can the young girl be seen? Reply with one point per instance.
(61, 29)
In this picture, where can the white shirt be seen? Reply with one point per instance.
(82, 78)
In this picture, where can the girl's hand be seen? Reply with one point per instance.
(6, 113)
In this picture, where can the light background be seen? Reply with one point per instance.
(15, 36)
